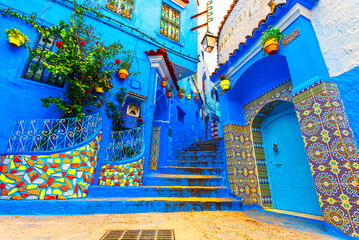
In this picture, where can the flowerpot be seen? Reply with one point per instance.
(188, 96)
(99, 90)
(181, 95)
(225, 84)
(164, 83)
(196, 98)
(169, 94)
(140, 119)
(271, 46)
(16, 42)
(123, 74)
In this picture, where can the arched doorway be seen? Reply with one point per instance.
(159, 131)
(290, 183)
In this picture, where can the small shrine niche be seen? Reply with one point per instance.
(133, 103)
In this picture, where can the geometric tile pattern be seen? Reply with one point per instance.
(56, 176)
(155, 147)
(332, 154)
(125, 175)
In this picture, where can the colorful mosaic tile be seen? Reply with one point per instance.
(56, 176)
(125, 175)
(155, 147)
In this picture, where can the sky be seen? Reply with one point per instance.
(220, 8)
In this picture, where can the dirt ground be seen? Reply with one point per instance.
(187, 226)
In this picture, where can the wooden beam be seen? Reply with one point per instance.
(203, 25)
(199, 14)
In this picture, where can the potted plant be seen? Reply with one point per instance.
(126, 64)
(188, 96)
(164, 82)
(270, 40)
(169, 93)
(16, 38)
(196, 97)
(225, 83)
(181, 93)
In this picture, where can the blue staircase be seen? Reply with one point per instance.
(194, 181)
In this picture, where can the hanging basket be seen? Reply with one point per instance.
(123, 74)
(181, 95)
(99, 90)
(225, 84)
(271, 46)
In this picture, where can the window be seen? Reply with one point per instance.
(180, 115)
(170, 22)
(121, 7)
(36, 71)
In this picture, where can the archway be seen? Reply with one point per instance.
(284, 174)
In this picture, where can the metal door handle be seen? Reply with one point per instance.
(275, 149)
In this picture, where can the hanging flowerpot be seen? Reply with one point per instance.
(140, 119)
(16, 38)
(196, 97)
(169, 94)
(271, 46)
(189, 96)
(164, 83)
(99, 90)
(180, 95)
(123, 74)
(225, 83)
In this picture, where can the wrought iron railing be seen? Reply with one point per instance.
(52, 134)
(125, 144)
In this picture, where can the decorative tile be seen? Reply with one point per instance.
(155, 147)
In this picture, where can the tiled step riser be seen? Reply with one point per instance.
(199, 171)
(110, 192)
(200, 158)
(158, 181)
(81, 207)
(195, 164)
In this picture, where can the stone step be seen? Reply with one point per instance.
(117, 205)
(194, 163)
(189, 156)
(191, 170)
(157, 179)
(158, 191)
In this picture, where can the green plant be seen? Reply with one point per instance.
(16, 34)
(115, 110)
(170, 90)
(182, 90)
(271, 32)
(83, 60)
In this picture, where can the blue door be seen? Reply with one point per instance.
(290, 179)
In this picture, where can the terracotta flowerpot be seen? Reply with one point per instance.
(140, 119)
(99, 90)
(271, 46)
(164, 83)
(196, 98)
(169, 94)
(181, 95)
(123, 74)
(16, 42)
(225, 84)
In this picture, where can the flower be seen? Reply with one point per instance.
(117, 61)
(82, 43)
(59, 44)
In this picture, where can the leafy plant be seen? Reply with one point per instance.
(83, 60)
(115, 110)
(182, 90)
(17, 34)
(170, 90)
(271, 32)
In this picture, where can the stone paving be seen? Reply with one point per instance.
(219, 225)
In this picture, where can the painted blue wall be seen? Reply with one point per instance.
(21, 100)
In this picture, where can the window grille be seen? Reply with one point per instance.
(121, 7)
(36, 71)
(170, 22)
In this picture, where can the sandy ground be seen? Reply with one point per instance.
(187, 226)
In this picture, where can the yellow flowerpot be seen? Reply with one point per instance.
(188, 96)
(271, 46)
(123, 74)
(99, 90)
(225, 84)
(16, 42)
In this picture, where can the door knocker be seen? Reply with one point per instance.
(275, 149)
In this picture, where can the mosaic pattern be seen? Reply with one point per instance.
(56, 176)
(155, 147)
(124, 175)
(332, 154)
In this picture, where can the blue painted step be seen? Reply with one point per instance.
(157, 179)
(117, 206)
(193, 163)
(158, 191)
(191, 170)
